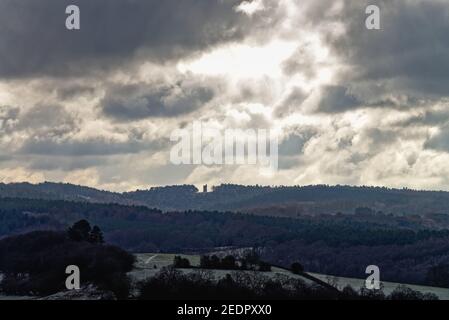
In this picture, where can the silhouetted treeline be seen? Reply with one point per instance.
(171, 284)
(316, 199)
(438, 275)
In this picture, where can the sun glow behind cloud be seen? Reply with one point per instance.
(250, 8)
(242, 60)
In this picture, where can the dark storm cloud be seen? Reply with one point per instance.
(403, 65)
(134, 102)
(34, 40)
(411, 52)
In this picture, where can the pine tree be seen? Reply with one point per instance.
(80, 231)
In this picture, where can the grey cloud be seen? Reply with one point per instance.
(294, 143)
(43, 162)
(291, 147)
(134, 102)
(287, 162)
(337, 99)
(292, 103)
(301, 61)
(380, 138)
(67, 92)
(376, 140)
(35, 42)
(9, 113)
(440, 141)
(426, 118)
(47, 121)
(97, 147)
(8, 118)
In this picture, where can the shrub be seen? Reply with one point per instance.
(297, 268)
(264, 267)
(182, 263)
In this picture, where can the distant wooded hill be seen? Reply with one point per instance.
(273, 201)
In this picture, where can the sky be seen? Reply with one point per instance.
(97, 106)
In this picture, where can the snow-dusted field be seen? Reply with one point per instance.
(388, 287)
(11, 298)
(147, 261)
(2, 297)
(149, 264)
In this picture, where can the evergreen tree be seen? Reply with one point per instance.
(80, 231)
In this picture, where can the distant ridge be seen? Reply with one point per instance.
(59, 191)
(281, 201)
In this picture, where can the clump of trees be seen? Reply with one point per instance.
(180, 262)
(82, 231)
(214, 262)
(251, 261)
(35, 263)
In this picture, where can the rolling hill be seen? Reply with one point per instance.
(273, 201)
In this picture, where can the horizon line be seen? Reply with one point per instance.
(405, 188)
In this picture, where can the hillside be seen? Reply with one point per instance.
(406, 248)
(272, 201)
(149, 266)
(60, 191)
